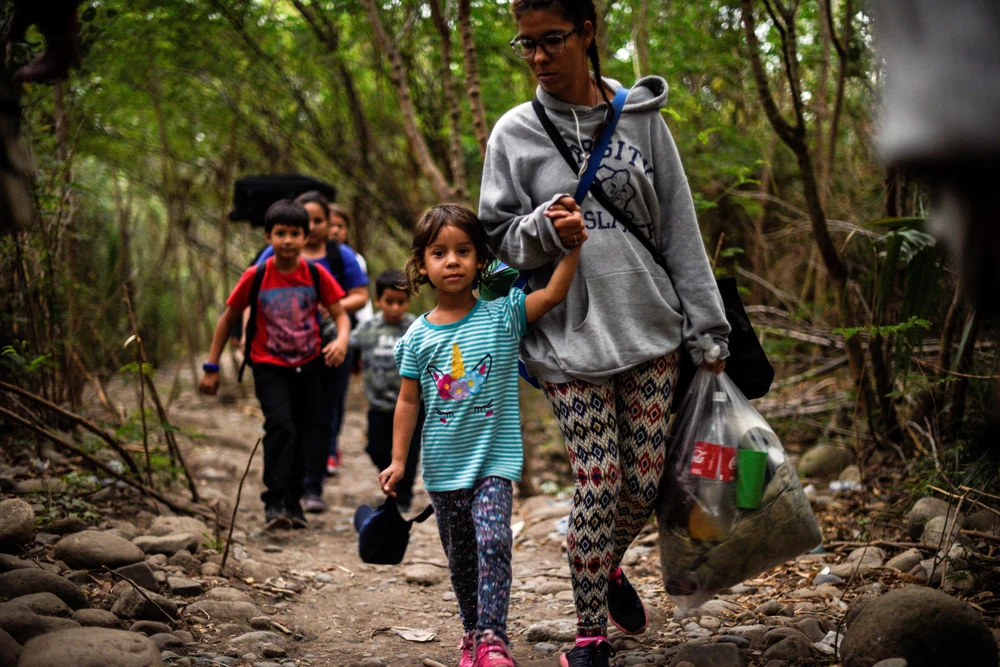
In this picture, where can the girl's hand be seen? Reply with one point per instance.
(335, 352)
(568, 222)
(716, 366)
(389, 478)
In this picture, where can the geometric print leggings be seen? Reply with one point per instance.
(616, 435)
(474, 525)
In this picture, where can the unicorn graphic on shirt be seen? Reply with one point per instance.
(456, 384)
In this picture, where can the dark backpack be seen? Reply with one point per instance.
(258, 279)
(252, 195)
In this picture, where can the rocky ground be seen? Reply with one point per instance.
(96, 570)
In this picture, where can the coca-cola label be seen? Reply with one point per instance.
(713, 461)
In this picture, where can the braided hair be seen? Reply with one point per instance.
(576, 12)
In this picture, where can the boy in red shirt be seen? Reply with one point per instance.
(287, 356)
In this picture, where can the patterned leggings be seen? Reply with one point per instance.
(616, 434)
(475, 531)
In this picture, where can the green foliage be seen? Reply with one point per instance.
(883, 330)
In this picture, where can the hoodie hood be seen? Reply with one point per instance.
(648, 94)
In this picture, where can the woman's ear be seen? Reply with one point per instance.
(587, 34)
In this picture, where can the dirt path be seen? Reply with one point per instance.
(346, 608)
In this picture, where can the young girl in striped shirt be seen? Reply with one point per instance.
(461, 359)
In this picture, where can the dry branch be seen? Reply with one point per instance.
(76, 419)
(236, 506)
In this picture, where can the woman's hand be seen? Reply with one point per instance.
(716, 366)
(568, 222)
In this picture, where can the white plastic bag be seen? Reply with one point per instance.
(703, 549)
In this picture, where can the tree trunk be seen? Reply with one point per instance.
(418, 147)
(640, 37)
(456, 159)
(472, 87)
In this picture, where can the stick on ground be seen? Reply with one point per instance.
(236, 507)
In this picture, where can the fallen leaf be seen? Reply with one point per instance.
(412, 635)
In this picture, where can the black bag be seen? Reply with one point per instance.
(252, 195)
(747, 365)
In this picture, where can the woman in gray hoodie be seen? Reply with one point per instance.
(607, 357)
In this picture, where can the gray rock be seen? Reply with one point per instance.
(861, 560)
(905, 561)
(167, 545)
(23, 582)
(811, 628)
(925, 627)
(174, 525)
(230, 629)
(226, 594)
(558, 630)
(8, 563)
(210, 569)
(10, 650)
(55, 487)
(260, 623)
(184, 587)
(941, 531)
(45, 539)
(67, 526)
(95, 618)
(792, 648)
(90, 647)
(17, 524)
(44, 604)
(255, 642)
(141, 574)
(769, 608)
(149, 628)
(982, 521)
(165, 640)
(753, 633)
(851, 473)
(223, 612)
(742, 642)
(249, 568)
(185, 636)
(133, 605)
(710, 655)
(824, 460)
(775, 635)
(184, 559)
(545, 648)
(156, 560)
(923, 511)
(125, 529)
(54, 624)
(271, 650)
(19, 622)
(92, 550)
(424, 575)
(892, 662)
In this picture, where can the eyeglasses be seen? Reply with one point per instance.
(551, 44)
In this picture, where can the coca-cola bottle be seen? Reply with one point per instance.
(713, 465)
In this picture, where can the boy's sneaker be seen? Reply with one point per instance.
(314, 504)
(295, 515)
(492, 652)
(595, 654)
(333, 464)
(624, 606)
(275, 517)
(466, 645)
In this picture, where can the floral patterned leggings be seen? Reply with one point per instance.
(475, 531)
(616, 435)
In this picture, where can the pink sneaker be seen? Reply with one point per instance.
(492, 652)
(466, 644)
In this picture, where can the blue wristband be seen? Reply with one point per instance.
(210, 368)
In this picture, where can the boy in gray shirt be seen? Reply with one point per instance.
(376, 341)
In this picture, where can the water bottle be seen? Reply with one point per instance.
(713, 465)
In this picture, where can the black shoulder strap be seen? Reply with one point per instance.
(595, 187)
(423, 516)
(336, 261)
(251, 330)
(314, 272)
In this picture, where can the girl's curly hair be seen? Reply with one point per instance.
(429, 225)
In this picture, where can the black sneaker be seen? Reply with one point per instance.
(596, 654)
(275, 518)
(624, 606)
(296, 515)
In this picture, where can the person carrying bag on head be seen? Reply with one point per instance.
(608, 356)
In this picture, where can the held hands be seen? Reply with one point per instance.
(389, 478)
(716, 366)
(335, 352)
(568, 222)
(209, 384)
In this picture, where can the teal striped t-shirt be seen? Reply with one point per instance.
(468, 379)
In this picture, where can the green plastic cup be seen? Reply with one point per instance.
(751, 469)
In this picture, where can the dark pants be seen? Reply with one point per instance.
(338, 380)
(380, 449)
(333, 390)
(292, 401)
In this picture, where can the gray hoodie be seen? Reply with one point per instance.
(622, 308)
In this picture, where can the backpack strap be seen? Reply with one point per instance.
(336, 261)
(423, 516)
(314, 272)
(251, 331)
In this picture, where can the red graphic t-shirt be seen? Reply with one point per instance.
(287, 327)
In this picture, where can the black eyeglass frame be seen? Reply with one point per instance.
(518, 44)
